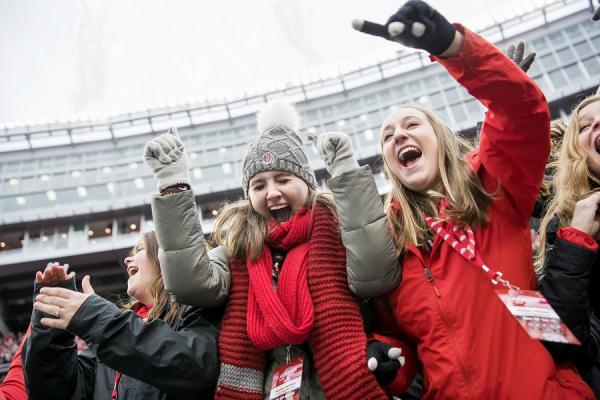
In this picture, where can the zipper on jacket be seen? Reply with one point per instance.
(442, 314)
(430, 280)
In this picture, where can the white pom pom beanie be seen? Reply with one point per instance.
(278, 148)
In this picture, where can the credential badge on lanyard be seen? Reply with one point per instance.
(529, 307)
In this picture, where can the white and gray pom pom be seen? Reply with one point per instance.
(277, 113)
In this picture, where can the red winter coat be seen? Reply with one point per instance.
(13, 386)
(470, 346)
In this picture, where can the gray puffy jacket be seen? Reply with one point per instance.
(373, 267)
(191, 274)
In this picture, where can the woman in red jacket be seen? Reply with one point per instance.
(457, 219)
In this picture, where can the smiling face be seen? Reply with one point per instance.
(277, 195)
(589, 135)
(410, 149)
(142, 273)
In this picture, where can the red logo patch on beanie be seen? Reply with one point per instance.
(267, 158)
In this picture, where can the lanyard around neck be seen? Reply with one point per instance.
(462, 240)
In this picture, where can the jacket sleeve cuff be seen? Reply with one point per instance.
(577, 237)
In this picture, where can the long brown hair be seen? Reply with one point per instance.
(468, 200)
(242, 231)
(164, 307)
(572, 179)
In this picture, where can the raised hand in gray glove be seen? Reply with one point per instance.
(416, 24)
(335, 149)
(166, 157)
(516, 53)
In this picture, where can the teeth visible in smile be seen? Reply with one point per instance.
(278, 207)
(405, 150)
(409, 154)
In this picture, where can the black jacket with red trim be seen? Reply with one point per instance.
(569, 282)
(157, 361)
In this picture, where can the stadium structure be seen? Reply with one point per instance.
(78, 192)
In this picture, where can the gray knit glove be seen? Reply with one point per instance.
(335, 149)
(166, 157)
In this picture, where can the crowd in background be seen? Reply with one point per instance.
(8, 347)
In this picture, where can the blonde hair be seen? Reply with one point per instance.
(468, 199)
(242, 231)
(164, 307)
(572, 180)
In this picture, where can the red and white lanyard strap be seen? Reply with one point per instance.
(463, 241)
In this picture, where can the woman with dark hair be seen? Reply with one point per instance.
(153, 348)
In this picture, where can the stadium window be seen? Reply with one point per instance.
(548, 61)
(436, 100)
(399, 91)
(11, 241)
(573, 32)
(541, 82)
(443, 113)
(558, 79)
(592, 66)
(98, 192)
(574, 72)
(370, 100)
(565, 55)
(451, 95)
(415, 87)
(327, 111)
(102, 228)
(385, 96)
(583, 49)
(341, 107)
(557, 38)
(459, 113)
(539, 44)
(596, 42)
(354, 104)
(46, 162)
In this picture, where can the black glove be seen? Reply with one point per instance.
(384, 361)
(516, 54)
(416, 24)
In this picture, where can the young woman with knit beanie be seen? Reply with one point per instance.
(280, 266)
(459, 220)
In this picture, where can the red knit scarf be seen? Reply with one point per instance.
(286, 316)
(337, 339)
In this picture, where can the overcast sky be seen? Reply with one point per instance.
(70, 57)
